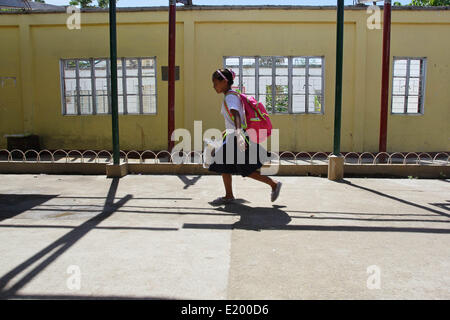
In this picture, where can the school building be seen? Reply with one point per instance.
(54, 76)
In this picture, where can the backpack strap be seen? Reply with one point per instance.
(228, 110)
(231, 115)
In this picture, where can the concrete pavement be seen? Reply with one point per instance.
(156, 237)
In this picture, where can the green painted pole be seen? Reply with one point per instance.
(114, 99)
(338, 90)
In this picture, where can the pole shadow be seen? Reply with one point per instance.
(14, 204)
(395, 198)
(59, 246)
(188, 182)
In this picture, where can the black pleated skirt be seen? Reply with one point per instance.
(229, 159)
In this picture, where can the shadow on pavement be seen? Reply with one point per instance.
(58, 247)
(188, 182)
(274, 218)
(12, 205)
(395, 198)
(256, 219)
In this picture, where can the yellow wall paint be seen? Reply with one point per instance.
(11, 114)
(309, 132)
(35, 43)
(50, 44)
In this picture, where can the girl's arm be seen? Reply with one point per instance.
(237, 118)
(237, 125)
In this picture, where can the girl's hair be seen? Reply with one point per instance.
(221, 73)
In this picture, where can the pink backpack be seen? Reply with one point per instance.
(257, 120)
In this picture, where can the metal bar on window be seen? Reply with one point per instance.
(94, 91)
(273, 85)
(63, 86)
(408, 66)
(140, 87)
(306, 84)
(422, 84)
(257, 78)
(77, 76)
(290, 84)
(108, 77)
(156, 85)
(124, 86)
(322, 101)
(241, 74)
(392, 89)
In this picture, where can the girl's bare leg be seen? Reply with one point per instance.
(258, 176)
(228, 186)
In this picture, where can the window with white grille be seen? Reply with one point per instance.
(85, 86)
(283, 84)
(408, 85)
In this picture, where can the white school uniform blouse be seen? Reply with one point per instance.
(233, 102)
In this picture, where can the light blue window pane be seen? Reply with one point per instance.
(131, 67)
(298, 103)
(398, 104)
(71, 106)
(400, 67)
(413, 104)
(102, 104)
(100, 67)
(148, 86)
(132, 85)
(399, 85)
(84, 67)
(298, 85)
(149, 104)
(86, 104)
(133, 104)
(70, 87)
(148, 67)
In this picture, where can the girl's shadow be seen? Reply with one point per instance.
(257, 218)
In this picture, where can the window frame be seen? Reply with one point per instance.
(93, 78)
(290, 81)
(422, 86)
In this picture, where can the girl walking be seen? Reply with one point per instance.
(236, 144)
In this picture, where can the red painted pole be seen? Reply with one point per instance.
(385, 75)
(171, 105)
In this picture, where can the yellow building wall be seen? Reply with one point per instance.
(11, 115)
(309, 132)
(427, 132)
(136, 132)
(35, 43)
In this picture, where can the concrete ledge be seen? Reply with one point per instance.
(351, 170)
(397, 171)
(168, 168)
(116, 170)
(53, 168)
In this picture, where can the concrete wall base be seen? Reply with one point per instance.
(318, 170)
(336, 168)
(116, 170)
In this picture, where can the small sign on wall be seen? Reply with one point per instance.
(165, 73)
